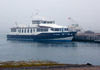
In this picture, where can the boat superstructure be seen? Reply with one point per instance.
(41, 29)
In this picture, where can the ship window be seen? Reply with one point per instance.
(66, 29)
(38, 30)
(49, 22)
(27, 30)
(13, 29)
(44, 22)
(19, 30)
(42, 29)
(31, 30)
(56, 29)
(22, 30)
(35, 22)
(52, 29)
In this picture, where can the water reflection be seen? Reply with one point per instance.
(46, 44)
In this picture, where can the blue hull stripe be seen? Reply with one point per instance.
(42, 36)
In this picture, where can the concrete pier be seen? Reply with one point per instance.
(87, 37)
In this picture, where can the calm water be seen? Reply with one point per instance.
(66, 52)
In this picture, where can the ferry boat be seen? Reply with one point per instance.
(42, 29)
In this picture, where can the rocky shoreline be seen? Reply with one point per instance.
(44, 65)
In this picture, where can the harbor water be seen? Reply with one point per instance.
(63, 52)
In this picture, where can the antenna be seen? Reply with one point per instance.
(37, 12)
(16, 23)
(73, 21)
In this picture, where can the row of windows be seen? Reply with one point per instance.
(29, 30)
(42, 29)
(38, 30)
(26, 30)
(44, 22)
(47, 22)
(59, 29)
(35, 22)
(13, 29)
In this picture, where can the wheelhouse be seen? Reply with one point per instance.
(42, 22)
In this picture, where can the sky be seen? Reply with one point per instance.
(85, 12)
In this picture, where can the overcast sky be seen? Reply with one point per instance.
(85, 12)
